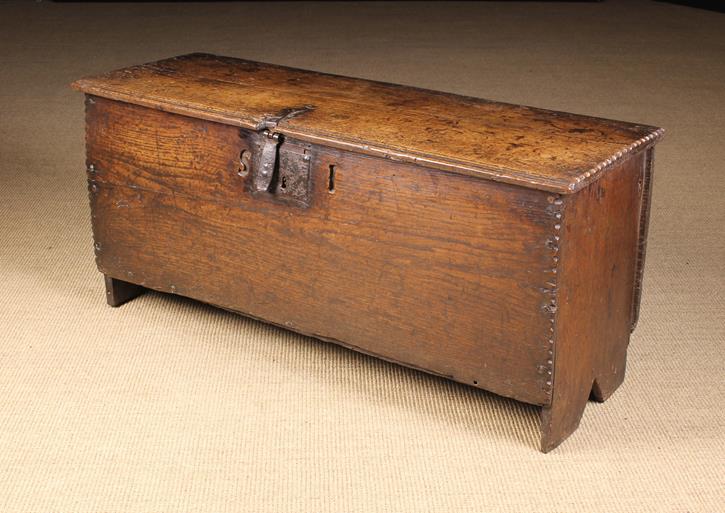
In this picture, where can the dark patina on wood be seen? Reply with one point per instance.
(498, 245)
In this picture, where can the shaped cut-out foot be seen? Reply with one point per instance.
(561, 418)
(609, 376)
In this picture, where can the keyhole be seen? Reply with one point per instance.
(284, 182)
(244, 157)
(331, 182)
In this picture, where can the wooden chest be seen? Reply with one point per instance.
(497, 245)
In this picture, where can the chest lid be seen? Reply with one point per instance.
(522, 145)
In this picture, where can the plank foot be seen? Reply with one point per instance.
(561, 418)
(119, 292)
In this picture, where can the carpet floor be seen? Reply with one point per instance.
(169, 405)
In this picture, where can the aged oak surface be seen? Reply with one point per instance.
(497, 245)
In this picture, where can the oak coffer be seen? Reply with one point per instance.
(498, 245)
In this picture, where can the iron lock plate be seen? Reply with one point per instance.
(282, 169)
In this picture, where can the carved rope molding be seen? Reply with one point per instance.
(589, 175)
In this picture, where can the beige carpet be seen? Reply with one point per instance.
(167, 405)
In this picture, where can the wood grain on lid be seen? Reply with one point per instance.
(532, 147)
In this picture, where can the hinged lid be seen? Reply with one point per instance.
(535, 148)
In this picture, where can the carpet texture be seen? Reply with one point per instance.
(168, 405)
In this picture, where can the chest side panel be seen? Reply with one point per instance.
(596, 285)
(437, 271)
